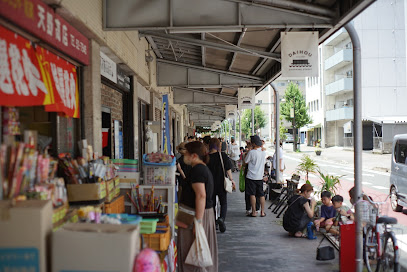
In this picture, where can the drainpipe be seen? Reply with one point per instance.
(277, 116)
(357, 139)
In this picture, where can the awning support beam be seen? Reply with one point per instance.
(219, 46)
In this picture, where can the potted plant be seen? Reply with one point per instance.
(329, 183)
(307, 165)
(318, 149)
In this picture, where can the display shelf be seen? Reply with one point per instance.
(168, 199)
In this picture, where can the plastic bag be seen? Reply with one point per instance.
(242, 179)
(199, 254)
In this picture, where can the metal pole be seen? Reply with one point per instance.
(357, 139)
(240, 131)
(252, 122)
(277, 116)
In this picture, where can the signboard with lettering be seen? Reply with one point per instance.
(31, 76)
(246, 98)
(122, 79)
(231, 111)
(299, 54)
(40, 20)
(108, 68)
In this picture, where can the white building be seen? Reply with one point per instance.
(381, 30)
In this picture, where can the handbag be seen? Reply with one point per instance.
(325, 253)
(199, 254)
(228, 185)
(242, 181)
(185, 216)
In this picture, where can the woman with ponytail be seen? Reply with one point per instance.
(197, 194)
(300, 212)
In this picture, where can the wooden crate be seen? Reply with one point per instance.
(116, 206)
(158, 241)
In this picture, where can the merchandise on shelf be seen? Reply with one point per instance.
(28, 174)
(159, 173)
(146, 202)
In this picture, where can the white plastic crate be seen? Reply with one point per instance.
(159, 175)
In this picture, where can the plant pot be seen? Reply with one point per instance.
(318, 152)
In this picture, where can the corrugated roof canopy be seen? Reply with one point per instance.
(207, 49)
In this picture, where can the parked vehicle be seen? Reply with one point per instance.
(398, 176)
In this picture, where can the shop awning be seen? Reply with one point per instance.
(215, 47)
(386, 119)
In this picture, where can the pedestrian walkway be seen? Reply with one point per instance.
(261, 244)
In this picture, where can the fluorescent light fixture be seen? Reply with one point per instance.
(204, 30)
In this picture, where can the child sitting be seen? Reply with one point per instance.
(344, 211)
(328, 212)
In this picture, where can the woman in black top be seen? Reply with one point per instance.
(300, 212)
(215, 165)
(197, 194)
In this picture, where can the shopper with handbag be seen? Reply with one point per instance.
(197, 196)
(220, 166)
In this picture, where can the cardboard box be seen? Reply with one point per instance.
(86, 192)
(95, 247)
(25, 229)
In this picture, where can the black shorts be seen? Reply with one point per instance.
(254, 187)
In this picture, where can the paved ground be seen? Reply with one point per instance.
(261, 244)
(370, 161)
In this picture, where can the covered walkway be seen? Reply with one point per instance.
(261, 244)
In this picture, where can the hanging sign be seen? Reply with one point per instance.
(166, 145)
(33, 76)
(108, 68)
(231, 111)
(42, 21)
(246, 98)
(299, 54)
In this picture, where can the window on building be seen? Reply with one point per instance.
(348, 45)
(317, 105)
(349, 73)
(401, 151)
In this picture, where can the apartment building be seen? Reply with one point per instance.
(381, 30)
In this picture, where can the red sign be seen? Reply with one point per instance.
(40, 20)
(34, 76)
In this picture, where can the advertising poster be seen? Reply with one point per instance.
(246, 98)
(166, 144)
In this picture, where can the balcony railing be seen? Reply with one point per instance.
(339, 60)
(341, 86)
(344, 113)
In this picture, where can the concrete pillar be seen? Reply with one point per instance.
(92, 99)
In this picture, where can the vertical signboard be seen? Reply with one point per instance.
(246, 98)
(108, 68)
(299, 54)
(166, 144)
(231, 111)
(118, 140)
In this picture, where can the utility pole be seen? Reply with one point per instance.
(252, 122)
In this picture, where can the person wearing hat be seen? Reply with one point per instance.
(255, 160)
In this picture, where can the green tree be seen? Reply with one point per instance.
(295, 100)
(260, 121)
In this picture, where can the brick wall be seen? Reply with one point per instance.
(114, 100)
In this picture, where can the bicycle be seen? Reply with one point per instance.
(380, 249)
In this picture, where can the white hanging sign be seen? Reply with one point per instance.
(108, 67)
(246, 98)
(299, 54)
(231, 111)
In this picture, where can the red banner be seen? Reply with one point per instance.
(33, 76)
(41, 20)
